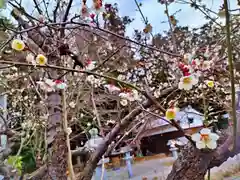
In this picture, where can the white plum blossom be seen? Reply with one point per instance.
(187, 82)
(157, 93)
(129, 96)
(68, 131)
(93, 81)
(124, 102)
(121, 77)
(206, 65)
(135, 95)
(47, 85)
(31, 59)
(112, 88)
(72, 104)
(205, 139)
(90, 65)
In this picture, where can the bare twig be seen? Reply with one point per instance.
(65, 123)
(65, 17)
(171, 28)
(37, 6)
(55, 11)
(96, 113)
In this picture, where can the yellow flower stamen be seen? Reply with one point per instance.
(18, 45)
(170, 114)
(187, 80)
(210, 84)
(41, 59)
(205, 137)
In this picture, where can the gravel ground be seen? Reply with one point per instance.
(157, 168)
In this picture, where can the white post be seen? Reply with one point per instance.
(174, 152)
(3, 107)
(173, 148)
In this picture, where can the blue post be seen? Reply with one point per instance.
(128, 159)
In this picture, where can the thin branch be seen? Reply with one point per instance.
(108, 58)
(65, 124)
(96, 113)
(144, 19)
(37, 6)
(65, 17)
(171, 28)
(128, 39)
(72, 70)
(125, 134)
(55, 11)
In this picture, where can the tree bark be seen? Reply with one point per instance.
(193, 163)
(56, 139)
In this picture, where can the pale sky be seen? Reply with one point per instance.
(154, 11)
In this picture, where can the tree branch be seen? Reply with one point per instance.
(96, 156)
(65, 17)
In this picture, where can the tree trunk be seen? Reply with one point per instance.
(56, 139)
(191, 164)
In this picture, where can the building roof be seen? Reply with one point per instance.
(159, 126)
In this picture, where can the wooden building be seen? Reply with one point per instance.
(156, 133)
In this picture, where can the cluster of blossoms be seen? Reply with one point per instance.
(190, 70)
(97, 8)
(126, 95)
(90, 65)
(19, 45)
(204, 139)
(96, 82)
(50, 85)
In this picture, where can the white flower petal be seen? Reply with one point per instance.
(194, 80)
(213, 136)
(123, 102)
(196, 137)
(30, 58)
(180, 85)
(200, 145)
(205, 131)
(211, 144)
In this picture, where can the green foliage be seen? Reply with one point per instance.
(28, 160)
(5, 23)
(15, 162)
(3, 4)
